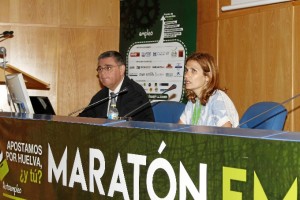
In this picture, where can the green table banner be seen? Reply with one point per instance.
(52, 157)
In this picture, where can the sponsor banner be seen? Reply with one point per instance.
(156, 38)
(59, 160)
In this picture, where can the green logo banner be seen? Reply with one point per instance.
(156, 36)
(69, 159)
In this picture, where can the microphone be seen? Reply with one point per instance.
(172, 87)
(272, 108)
(2, 50)
(6, 34)
(98, 102)
(3, 55)
(3, 64)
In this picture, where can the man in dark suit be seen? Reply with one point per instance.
(111, 72)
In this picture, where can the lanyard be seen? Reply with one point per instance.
(196, 113)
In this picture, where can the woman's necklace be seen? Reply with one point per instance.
(196, 113)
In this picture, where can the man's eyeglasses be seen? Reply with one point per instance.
(106, 68)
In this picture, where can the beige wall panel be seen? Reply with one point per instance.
(296, 75)
(4, 106)
(4, 10)
(65, 12)
(207, 38)
(207, 11)
(255, 57)
(30, 11)
(34, 51)
(207, 27)
(78, 62)
(58, 42)
(224, 3)
(90, 13)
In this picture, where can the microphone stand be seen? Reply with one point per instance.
(284, 102)
(149, 101)
(98, 102)
(3, 64)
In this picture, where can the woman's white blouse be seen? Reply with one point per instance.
(218, 110)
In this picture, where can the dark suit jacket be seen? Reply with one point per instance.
(126, 102)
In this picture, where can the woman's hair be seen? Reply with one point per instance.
(206, 61)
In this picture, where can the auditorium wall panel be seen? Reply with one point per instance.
(77, 76)
(257, 49)
(254, 50)
(256, 53)
(58, 42)
(296, 67)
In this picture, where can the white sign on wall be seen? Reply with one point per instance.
(234, 2)
(240, 4)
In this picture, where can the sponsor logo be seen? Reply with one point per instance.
(178, 74)
(174, 54)
(146, 54)
(164, 84)
(178, 66)
(169, 66)
(135, 54)
(159, 74)
(145, 67)
(180, 53)
(150, 74)
(158, 67)
(161, 53)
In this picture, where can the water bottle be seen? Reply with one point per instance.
(113, 112)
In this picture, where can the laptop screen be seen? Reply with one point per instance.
(41, 105)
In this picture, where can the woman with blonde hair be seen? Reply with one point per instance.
(207, 104)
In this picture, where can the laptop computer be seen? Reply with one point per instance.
(41, 105)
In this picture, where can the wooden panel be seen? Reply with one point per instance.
(31, 82)
(90, 13)
(31, 12)
(58, 42)
(296, 67)
(56, 12)
(4, 10)
(255, 57)
(207, 38)
(207, 27)
(34, 51)
(77, 79)
(207, 11)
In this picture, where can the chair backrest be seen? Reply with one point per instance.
(264, 115)
(167, 111)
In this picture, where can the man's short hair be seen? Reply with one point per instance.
(118, 57)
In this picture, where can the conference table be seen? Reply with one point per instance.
(60, 157)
